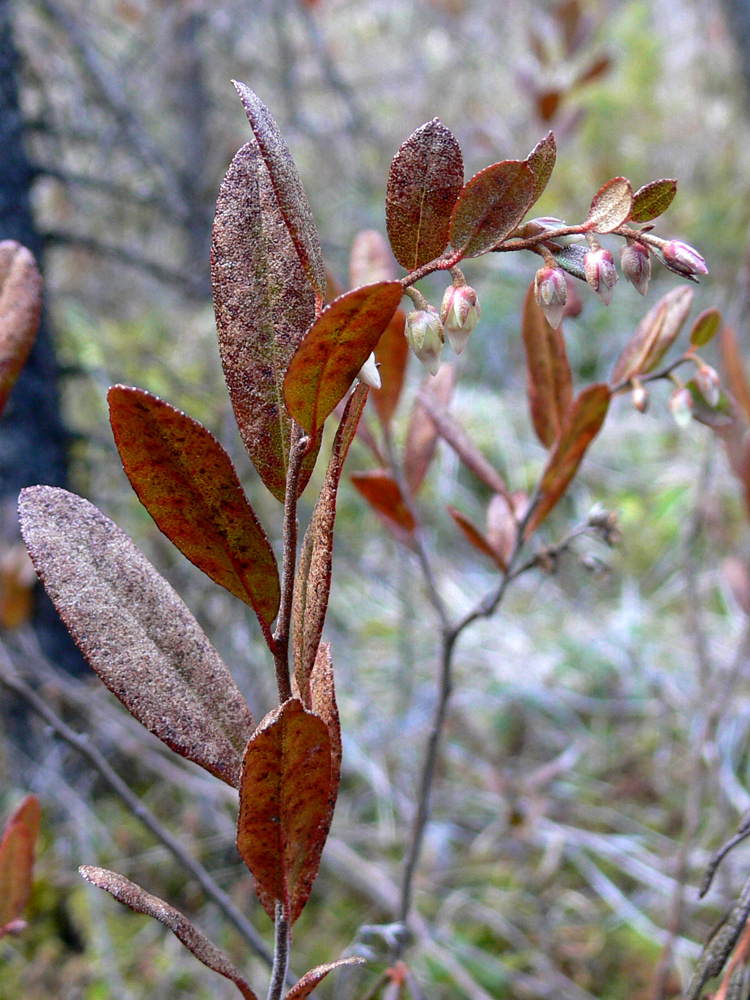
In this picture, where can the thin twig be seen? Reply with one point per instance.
(280, 969)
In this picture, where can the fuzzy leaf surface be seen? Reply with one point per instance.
(654, 335)
(425, 179)
(382, 492)
(130, 894)
(20, 311)
(187, 483)
(705, 327)
(582, 426)
(653, 199)
(734, 369)
(474, 536)
(422, 434)
(312, 585)
(611, 206)
(135, 631)
(491, 205)
(335, 348)
(391, 356)
(17, 848)
(284, 793)
(541, 160)
(264, 303)
(548, 378)
(304, 987)
(570, 259)
(287, 186)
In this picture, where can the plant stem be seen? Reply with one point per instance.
(280, 954)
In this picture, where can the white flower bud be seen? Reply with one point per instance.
(709, 386)
(551, 292)
(424, 335)
(460, 312)
(601, 273)
(681, 407)
(369, 372)
(636, 265)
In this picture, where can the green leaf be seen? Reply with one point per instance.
(264, 303)
(705, 327)
(20, 311)
(570, 259)
(335, 348)
(491, 205)
(548, 378)
(611, 206)
(654, 335)
(541, 160)
(721, 415)
(135, 631)
(186, 481)
(426, 177)
(287, 186)
(284, 790)
(653, 199)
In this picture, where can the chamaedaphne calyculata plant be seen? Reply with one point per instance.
(292, 360)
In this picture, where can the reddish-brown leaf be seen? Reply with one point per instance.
(370, 259)
(135, 631)
(548, 103)
(382, 492)
(541, 160)
(593, 71)
(284, 794)
(20, 311)
(705, 327)
(611, 206)
(654, 335)
(264, 303)
(548, 378)
(287, 186)
(491, 205)
(475, 536)
(652, 199)
(581, 427)
(130, 894)
(422, 434)
(17, 848)
(734, 369)
(502, 522)
(391, 356)
(313, 582)
(335, 348)
(426, 177)
(304, 987)
(187, 483)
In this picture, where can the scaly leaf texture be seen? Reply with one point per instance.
(17, 847)
(187, 483)
(548, 379)
(582, 426)
(135, 631)
(421, 433)
(705, 327)
(541, 160)
(304, 987)
(490, 206)
(611, 206)
(335, 348)
(425, 179)
(132, 895)
(391, 356)
(284, 792)
(20, 311)
(287, 186)
(475, 537)
(653, 199)
(313, 582)
(654, 335)
(264, 303)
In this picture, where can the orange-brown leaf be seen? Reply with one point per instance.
(541, 160)
(382, 492)
(425, 179)
(654, 335)
(20, 311)
(475, 536)
(491, 205)
(548, 378)
(304, 987)
(187, 482)
(611, 206)
(734, 369)
(135, 631)
(335, 348)
(582, 426)
(422, 434)
(17, 847)
(391, 356)
(284, 793)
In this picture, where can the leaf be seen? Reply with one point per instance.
(491, 205)
(721, 415)
(335, 348)
(705, 327)
(17, 861)
(284, 790)
(135, 631)
(611, 206)
(425, 179)
(20, 311)
(734, 369)
(548, 378)
(570, 259)
(304, 987)
(422, 434)
(313, 581)
(654, 335)
(475, 536)
(130, 894)
(370, 259)
(264, 304)
(503, 518)
(391, 356)
(287, 186)
(187, 482)
(581, 427)
(382, 492)
(653, 199)
(541, 160)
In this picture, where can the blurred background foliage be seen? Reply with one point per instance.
(563, 824)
